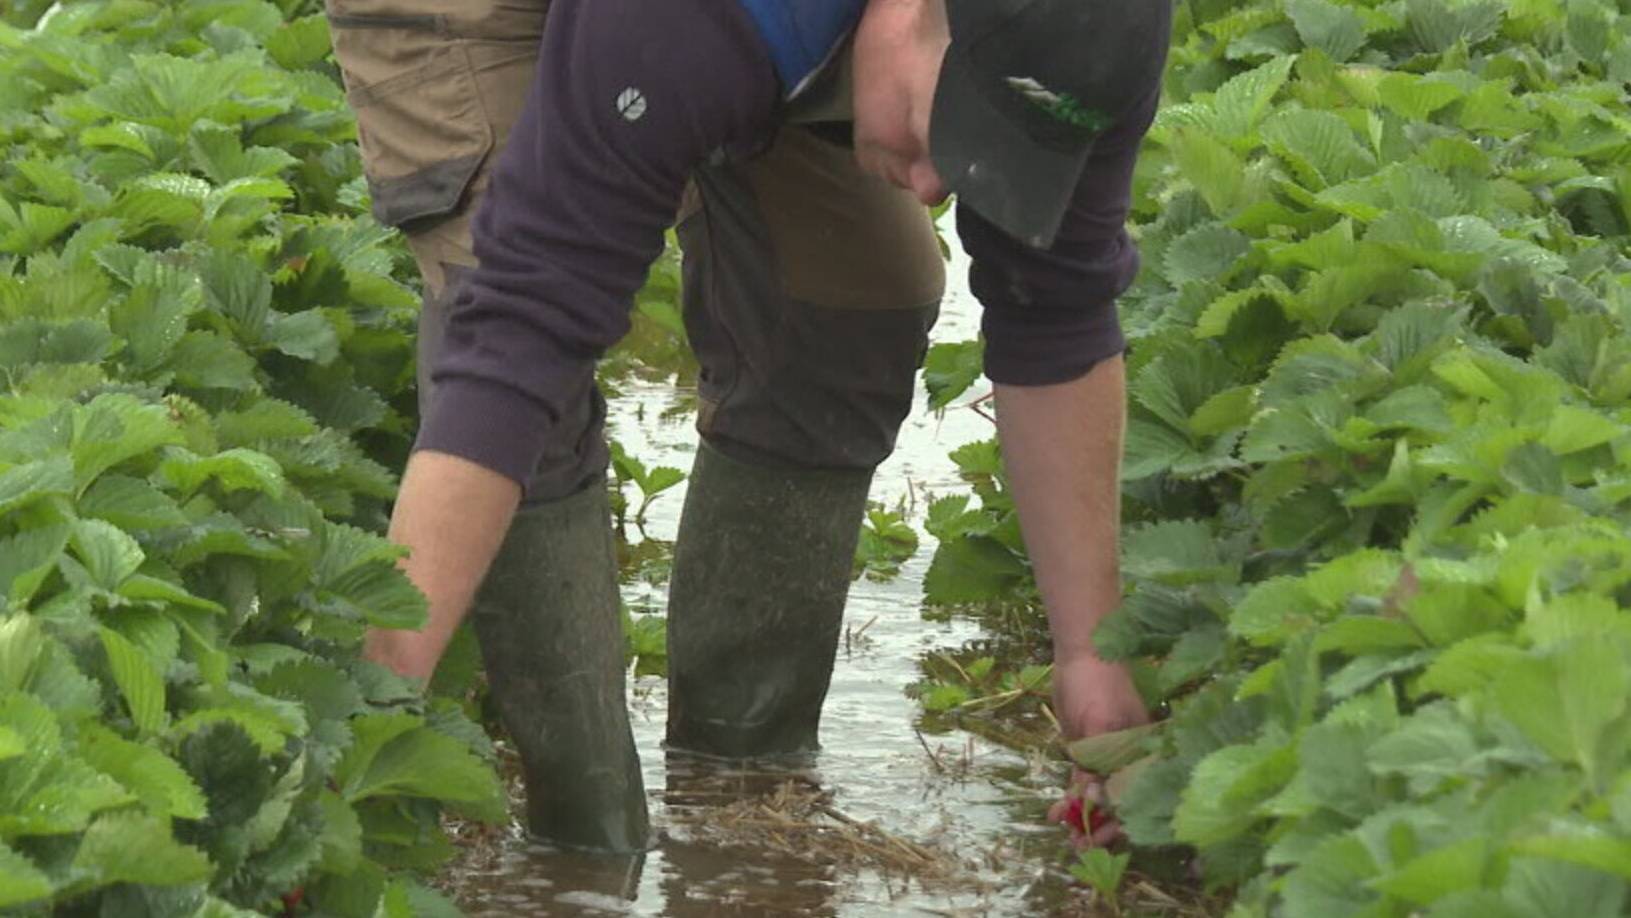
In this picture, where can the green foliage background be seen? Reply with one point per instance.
(206, 362)
(1377, 471)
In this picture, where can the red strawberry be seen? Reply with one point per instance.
(1074, 812)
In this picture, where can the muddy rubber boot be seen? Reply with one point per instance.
(761, 572)
(551, 633)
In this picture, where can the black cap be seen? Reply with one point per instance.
(1026, 88)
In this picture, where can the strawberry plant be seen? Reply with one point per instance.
(205, 375)
(1376, 459)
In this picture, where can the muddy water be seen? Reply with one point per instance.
(971, 805)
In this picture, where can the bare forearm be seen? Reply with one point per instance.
(1062, 448)
(452, 516)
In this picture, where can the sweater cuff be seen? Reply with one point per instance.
(488, 423)
(1043, 347)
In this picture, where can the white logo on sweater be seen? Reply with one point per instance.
(631, 104)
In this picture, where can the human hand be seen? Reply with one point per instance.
(1091, 696)
(1084, 810)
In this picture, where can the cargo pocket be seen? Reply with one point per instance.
(423, 131)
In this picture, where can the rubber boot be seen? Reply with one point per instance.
(761, 572)
(550, 627)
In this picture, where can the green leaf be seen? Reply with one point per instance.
(1196, 654)
(237, 288)
(1534, 468)
(124, 136)
(1362, 672)
(1332, 773)
(1420, 408)
(266, 419)
(299, 43)
(152, 318)
(407, 899)
(1470, 665)
(307, 335)
(1356, 635)
(26, 483)
(1209, 252)
(1567, 618)
(1101, 870)
(235, 469)
(1436, 25)
(950, 369)
(1538, 888)
(1463, 865)
(205, 360)
(109, 554)
(660, 479)
(139, 681)
(143, 588)
(1431, 748)
(1215, 170)
(1215, 320)
(130, 503)
(116, 428)
(1241, 102)
(1110, 752)
(263, 190)
(1272, 611)
(342, 834)
(1369, 572)
(1336, 30)
(381, 595)
(1574, 430)
(226, 765)
(397, 755)
(1595, 849)
(218, 152)
(1403, 484)
(1319, 146)
(1146, 807)
(156, 779)
(943, 696)
(22, 639)
(130, 847)
(1175, 552)
(1331, 880)
(31, 226)
(1226, 788)
(1225, 411)
(27, 559)
(20, 881)
(1416, 97)
(971, 569)
(217, 908)
(1565, 701)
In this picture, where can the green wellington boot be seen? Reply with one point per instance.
(551, 633)
(761, 572)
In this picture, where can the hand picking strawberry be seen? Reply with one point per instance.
(1085, 810)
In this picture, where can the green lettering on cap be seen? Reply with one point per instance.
(1060, 106)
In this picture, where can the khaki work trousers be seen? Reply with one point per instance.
(809, 287)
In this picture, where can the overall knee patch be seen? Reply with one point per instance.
(810, 290)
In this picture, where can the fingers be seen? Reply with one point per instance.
(1084, 810)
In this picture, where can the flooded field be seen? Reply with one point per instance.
(889, 819)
